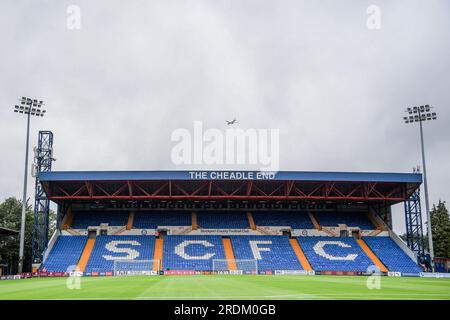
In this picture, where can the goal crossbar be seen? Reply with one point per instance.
(241, 266)
(125, 267)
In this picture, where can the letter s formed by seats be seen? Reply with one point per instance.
(131, 253)
(180, 250)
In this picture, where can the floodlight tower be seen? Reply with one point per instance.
(29, 107)
(422, 114)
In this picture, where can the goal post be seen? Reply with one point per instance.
(235, 266)
(130, 267)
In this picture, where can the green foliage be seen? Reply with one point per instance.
(440, 226)
(10, 217)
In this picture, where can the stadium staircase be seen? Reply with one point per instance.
(130, 221)
(251, 222)
(300, 255)
(229, 254)
(371, 255)
(194, 221)
(318, 226)
(86, 254)
(314, 221)
(158, 255)
(67, 221)
(379, 227)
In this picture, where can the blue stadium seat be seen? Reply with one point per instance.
(110, 248)
(271, 252)
(65, 253)
(222, 220)
(153, 219)
(297, 220)
(192, 252)
(84, 219)
(351, 219)
(334, 254)
(392, 256)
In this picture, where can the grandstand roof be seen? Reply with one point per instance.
(244, 175)
(245, 185)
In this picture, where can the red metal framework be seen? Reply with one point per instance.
(60, 191)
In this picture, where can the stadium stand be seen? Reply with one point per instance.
(192, 252)
(351, 219)
(110, 248)
(392, 255)
(334, 254)
(222, 220)
(84, 219)
(296, 220)
(65, 253)
(151, 220)
(197, 252)
(271, 252)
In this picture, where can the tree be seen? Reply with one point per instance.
(10, 217)
(440, 226)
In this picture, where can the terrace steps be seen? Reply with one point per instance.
(130, 221)
(194, 221)
(158, 255)
(86, 254)
(300, 255)
(229, 254)
(251, 221)
(371, 255)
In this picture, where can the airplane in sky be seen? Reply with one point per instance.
(231, 122)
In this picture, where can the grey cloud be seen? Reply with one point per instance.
(117, 88)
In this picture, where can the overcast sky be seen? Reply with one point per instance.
(136, 70)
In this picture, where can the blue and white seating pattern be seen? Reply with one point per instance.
(153, 219)
(351, 219)
(84, 219)
(192, 252)
(110, 248)
(297, 220)
(391, 255)
(334, 254)
(271, 252)
(65, 253)
(222, 220)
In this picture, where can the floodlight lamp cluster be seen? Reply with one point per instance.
(30, 106)
(419, 114)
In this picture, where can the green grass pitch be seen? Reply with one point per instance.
(226, 287)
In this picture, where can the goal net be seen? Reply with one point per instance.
(235, 266)
(136, 267)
